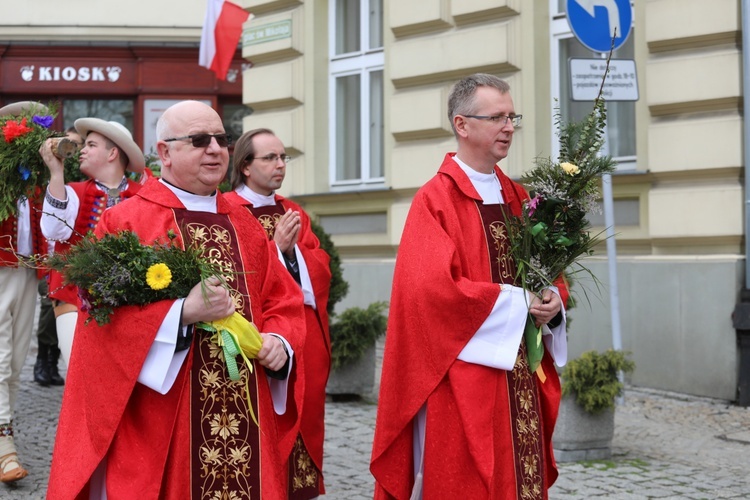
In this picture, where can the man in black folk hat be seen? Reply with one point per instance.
(71, 210)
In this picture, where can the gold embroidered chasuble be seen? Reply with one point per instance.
(225, 441)
(524, 404)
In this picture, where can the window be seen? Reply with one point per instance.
(620, 137)
(116, 110)
(356, 93)
(232, 116)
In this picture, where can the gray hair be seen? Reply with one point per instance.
(462, 96)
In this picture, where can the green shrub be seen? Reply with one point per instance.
(592, 378)
(354, 331)
(339, 286)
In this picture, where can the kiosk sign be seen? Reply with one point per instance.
(596, 22)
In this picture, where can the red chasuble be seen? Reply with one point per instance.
(443, 290)
(196, 440)
(306, 463)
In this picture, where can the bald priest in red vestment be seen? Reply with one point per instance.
(459, 413)
(149, 410)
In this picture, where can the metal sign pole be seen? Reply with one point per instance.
(614, 297)
(609, 223)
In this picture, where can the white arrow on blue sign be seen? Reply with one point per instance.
(596, 22)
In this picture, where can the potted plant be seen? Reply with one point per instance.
(586, 421)
(353, 333)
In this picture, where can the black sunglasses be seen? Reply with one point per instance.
(203, 140)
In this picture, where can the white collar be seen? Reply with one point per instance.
(193, 202)
(257, 199)
(487, 185)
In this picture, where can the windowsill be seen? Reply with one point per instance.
(626, 165)
(346, 190)
(360, 186)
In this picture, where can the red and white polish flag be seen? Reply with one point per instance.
(222, 29)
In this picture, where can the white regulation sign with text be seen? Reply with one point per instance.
(586, 78)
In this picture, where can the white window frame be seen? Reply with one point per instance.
(559, 31)
(362, 62)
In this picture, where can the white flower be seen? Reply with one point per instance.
(569, 168)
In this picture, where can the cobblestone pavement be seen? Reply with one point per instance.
(666, 446)
(35, 423)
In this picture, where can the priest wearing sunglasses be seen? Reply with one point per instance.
(150, 410)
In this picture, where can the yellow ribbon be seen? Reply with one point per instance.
(236, 335)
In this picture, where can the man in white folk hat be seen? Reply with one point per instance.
(71, 210)
(20, 236)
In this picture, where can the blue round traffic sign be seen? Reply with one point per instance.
(596, 22)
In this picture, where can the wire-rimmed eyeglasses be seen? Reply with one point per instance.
(501, 120)
(273, 157)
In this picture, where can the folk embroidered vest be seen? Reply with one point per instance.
(9, 236)
(93, 202)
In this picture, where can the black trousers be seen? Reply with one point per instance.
(47, 331)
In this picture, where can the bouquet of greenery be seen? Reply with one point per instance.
(552, 235)
(21, 165)
(118, 270)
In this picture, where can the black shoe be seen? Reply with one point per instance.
(54, 375)
(41, 373)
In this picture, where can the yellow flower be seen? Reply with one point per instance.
(569, 168)
(158, 276)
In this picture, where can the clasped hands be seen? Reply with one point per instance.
(545, 307)
(210, 301)
(286, 232)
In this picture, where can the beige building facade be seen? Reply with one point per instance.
(678, 195)
(357, 90)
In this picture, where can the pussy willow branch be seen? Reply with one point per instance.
(606, 71)
(60, 219)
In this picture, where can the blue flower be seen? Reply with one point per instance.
(25, 172)
(43, 121)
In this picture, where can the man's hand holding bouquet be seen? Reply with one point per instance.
(22, 170)
(118, 270)
(551, 236)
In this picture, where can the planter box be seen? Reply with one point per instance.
(580, 435)
(355, 379)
